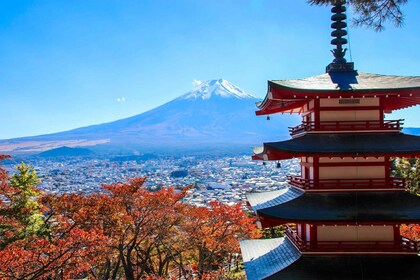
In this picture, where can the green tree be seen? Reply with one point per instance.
(373, 13)
(20, 210)
(409, 169)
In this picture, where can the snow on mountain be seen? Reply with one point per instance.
(215, 112)
(211, 88)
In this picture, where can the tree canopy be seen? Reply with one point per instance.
(373, 13)
(122, 232)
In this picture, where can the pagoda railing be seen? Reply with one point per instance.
(405, 245)
(386, 125)
(378, 183)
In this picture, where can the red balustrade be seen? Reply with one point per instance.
(308, 184)
(387, 125)
(405, 245)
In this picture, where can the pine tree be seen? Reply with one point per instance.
(372, 13)
(21, 211)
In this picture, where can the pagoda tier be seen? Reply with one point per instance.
(333, 145)
(278, 258)
(340, 223)
(292, 205)
(290, 96)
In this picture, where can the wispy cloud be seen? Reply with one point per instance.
(196, 82)
(121, 99)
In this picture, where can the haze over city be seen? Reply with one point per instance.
(71, 64)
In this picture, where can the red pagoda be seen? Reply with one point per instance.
(343, 213)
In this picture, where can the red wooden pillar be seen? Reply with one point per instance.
(397, 234)
(387, 169)
(316, 169)
(316, 113)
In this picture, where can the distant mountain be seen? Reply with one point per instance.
(215, 114)
(412, 130)
(66, 152)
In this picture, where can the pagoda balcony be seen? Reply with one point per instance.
(325, 184)
(343, 126)
(404, 246)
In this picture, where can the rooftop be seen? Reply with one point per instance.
(393, 144)
(265, 257)
(351, 268)
(352, 80)
(347, 207)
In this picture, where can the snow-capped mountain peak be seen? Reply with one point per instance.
(221, 88)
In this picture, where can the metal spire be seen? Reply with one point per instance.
(339, 64)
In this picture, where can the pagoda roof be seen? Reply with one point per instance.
(351, 80)
(347, 207)
(278, 258)
(265, 257)
(290, 95)
(350, 268)
(369, 144)
(261, 200)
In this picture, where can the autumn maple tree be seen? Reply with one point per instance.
(123, 231)
(409, 168)
(36, 244)
(213, 233)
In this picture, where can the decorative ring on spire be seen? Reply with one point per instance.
(339, 25)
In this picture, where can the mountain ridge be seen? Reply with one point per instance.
(213, 113)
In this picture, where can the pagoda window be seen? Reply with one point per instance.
(299, 228)
(308, 231)
(350, 160)
(311, 105)
(349, 102)
(351, 115)
(351, 172)
(355, 233)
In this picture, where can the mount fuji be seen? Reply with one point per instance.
(215, 114)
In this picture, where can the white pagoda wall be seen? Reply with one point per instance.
(365, 115)
(349, 115)
(335, 102)
(355, 233)
(352, 172)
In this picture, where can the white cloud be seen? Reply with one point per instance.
(196, 82)
(121, 99)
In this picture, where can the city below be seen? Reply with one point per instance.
(223, 178)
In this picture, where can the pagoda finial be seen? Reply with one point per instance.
(339, 64)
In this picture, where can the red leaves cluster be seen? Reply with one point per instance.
(66, 255)
(123, 232)
(411, 231)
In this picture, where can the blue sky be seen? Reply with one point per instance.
(71, 63)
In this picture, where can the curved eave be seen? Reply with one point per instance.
(290, 95)
(387, 207)
(265, 257)
(356, 267)
(261, 200)
(367, 144)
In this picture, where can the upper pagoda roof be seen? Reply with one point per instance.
(372, 144)
(347, 207)
(290, 95)
(351, 81)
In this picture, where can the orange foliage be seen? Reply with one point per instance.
(125, 232)
(62, 248)
(411, 231)
(213, 233)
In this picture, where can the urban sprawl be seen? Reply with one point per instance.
(226, 179)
